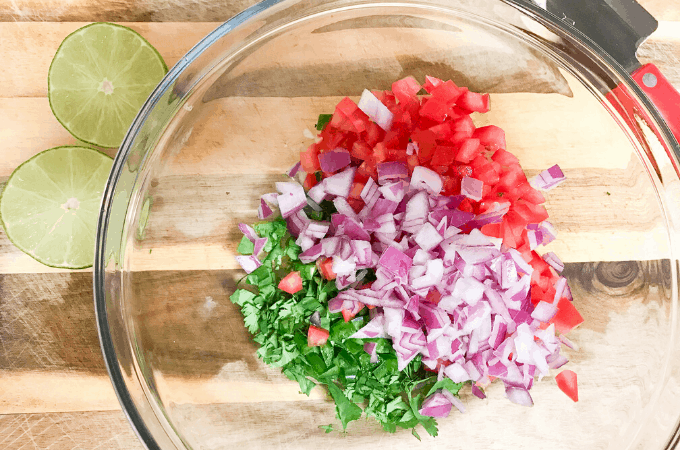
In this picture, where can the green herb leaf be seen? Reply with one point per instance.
(445, 383)
(346, 410)
(245, 247)
(323, 121)
(328, 428)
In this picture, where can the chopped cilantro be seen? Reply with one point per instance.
(279, 323)
(245, 247)
(323, 121)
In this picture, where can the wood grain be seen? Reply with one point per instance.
(86, 430)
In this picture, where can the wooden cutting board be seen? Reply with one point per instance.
(54, 390)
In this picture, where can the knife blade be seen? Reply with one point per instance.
(619, 27)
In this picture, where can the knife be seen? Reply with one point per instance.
(619, 27)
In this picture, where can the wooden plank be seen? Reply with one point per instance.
(107, 430)
(170, 11)
(252, 405)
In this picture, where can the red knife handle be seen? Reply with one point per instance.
(662, 94)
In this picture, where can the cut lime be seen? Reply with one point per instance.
(50, 205)
(99, 79)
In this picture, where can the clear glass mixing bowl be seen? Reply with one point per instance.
(228, 120)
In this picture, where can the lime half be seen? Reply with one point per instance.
(99, 79)
(50, 205)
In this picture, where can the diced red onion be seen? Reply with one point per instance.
(428, 237)
(436, 405)
(554, 261)
(258, 245)
(292, 198)
(371, 349)
(264, 211)
(334, 160)
(412, 148)
(390, 171)
(339, 184)
(544, 311)
(549, 178)
(294, 170)
(248, 263)
(248, 232)
(548, 232)
(455, 401)
(374, 109)
(312, 254)
(424, 178)
(471, 188)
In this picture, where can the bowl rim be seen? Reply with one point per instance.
(107, 346)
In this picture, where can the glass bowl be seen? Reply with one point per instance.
(229, 119)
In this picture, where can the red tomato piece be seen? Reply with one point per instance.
(464, 125)
(361, 150)
(406, 89)
(379, 153)
(291, 283)
(373, 134)
(325, 266)
(504, 158)
(530, 212)
(491, 137)
(357, 204)
(367, 170)
(567, 317)
(443, 131)
(447, 92)
(412, 161)
(316, 337)
(435, 110)
(567, 382)
(355, 191)
(443, 156)
(451, 185)
(433, 296)
(472, 101)
(309, 159)
(467, 151)
(533, 196)
(492, 229)
(427, 142)
(466, 205)
(310, 181)
(431, 83)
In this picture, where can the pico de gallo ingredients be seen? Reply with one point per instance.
(406, 251)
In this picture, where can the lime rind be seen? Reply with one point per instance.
(32, 209)
(96, 60)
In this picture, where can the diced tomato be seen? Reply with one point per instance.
(451, 185)
(435, 110)
(511, 178)
(361, 150)
(466, 205)
(443, 156)
(309, 159)
(310, 181)
(443, 131)
(379, 153)
(531, 213)
(433, 296)
(412, 161)
(566, 381)
(567, 317)
(467, 151)
(325, 266)
(472, 101)
(533, 196)
(492, 229)
(373, 134)
(427, 143)
(464, 125)
(394, 154)
(491, 137)
(461, 170)
(447, 92)
(316, 337)
(406, 89)
(488, 176)
(357, 187)
(431, 83)
(357, 204)
(367, 170)
(291, 283)
(349, 116)
(504, 157)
